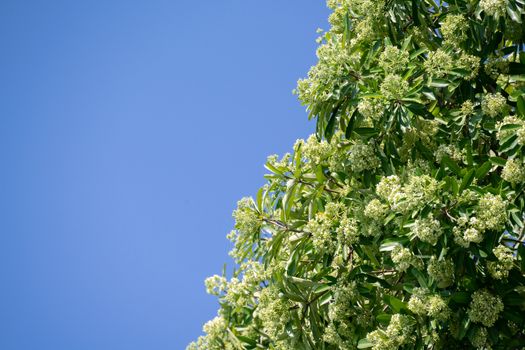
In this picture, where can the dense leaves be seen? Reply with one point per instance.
(399, 225)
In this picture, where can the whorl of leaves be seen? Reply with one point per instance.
(399, 225)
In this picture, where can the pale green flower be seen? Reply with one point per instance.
(403, 258)
(393, 60)
(492, 212)
(438, 63)
(394, 87)
(493, 105)
(427, 229)
(500, 268)
(454, 28)
(375, 209)
(485, 308)
(513, 171)
(362, 157)
(493, 7)
(441, 270)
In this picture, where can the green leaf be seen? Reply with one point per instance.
(390, 243)
(516, 68)
(520, 106)
(483, 169)
(364, 344)
(467, 180)
(351, 124)
(395, 304)
(449, 163)
(461, 297)
(439, 83)
(498, 161)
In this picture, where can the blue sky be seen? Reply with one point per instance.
(129, 129)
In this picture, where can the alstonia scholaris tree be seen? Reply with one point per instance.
(399, 225)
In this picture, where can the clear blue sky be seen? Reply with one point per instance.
(129, 129)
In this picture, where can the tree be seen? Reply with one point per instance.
(399, 224)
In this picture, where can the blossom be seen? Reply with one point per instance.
(273, 311)
(441, 270)
(493, 7)
(513, 171)
(215, 284)
(493, 105)
(438, 63)
(394, 87)
(492, 212)
(427, 229)
(393, 60)
(375, 209)
(403, 258)
(362, 157)
(469, 63)
(371, 108)
(398, 333)
(420, 191)
(388, 188)
(454, 29)
(485, 308)
(500, 268)
(348, 231)
(479, 339)
(467, 108)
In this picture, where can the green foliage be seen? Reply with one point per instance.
(399, 225)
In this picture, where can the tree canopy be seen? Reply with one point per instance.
(399, 223)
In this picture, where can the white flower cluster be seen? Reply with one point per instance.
(403, 258)
(427, 229)
(485, 308)
(492, 212)
(330, 72)
(468, 231)
(393, 60)
(371, 108)
(438, 63)
(479, 339)
(493, 7)
(362, 157)
(248, 225)
(441, 270)
(493, 105)
(375, 210)
(342, 306)
(451, 151)
(398, 333)
(316, 151)
(330, 222)
(425, 304)
(215, 338)
(467, 108)
(215, 285)
(469, 63)
(500, 268)
(389, 188)
(348, 231)
(513, 171)
(240, 291)
(418, 192)
(394, 87)
(273, 311)
(454, 28)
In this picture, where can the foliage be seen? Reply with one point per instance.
(399, 225)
